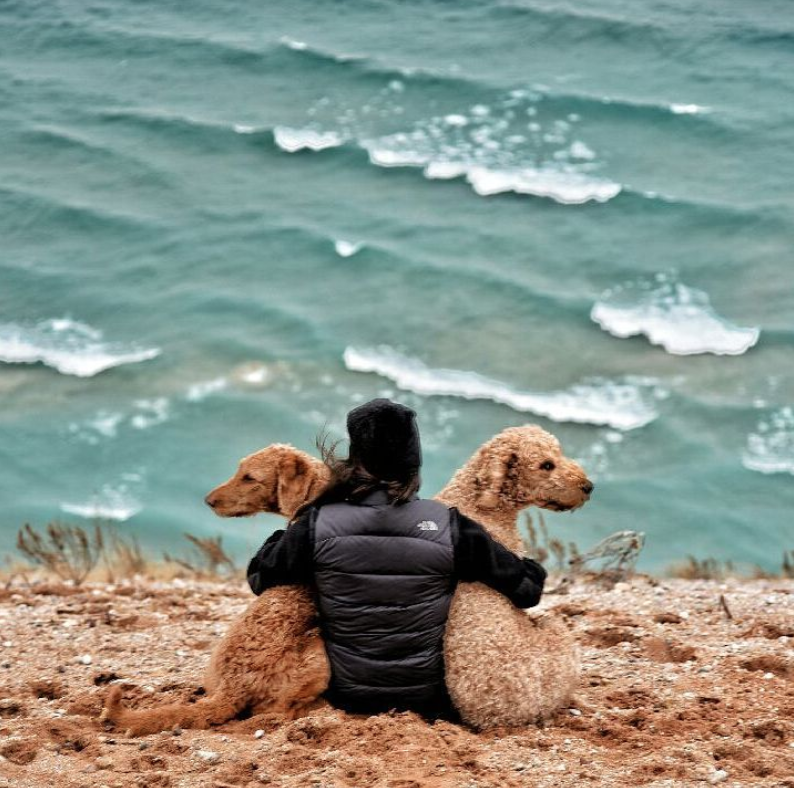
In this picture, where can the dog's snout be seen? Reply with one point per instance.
(211, 502)
(588, 487)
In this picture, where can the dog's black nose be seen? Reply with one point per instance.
(211, 502)
(588, 487)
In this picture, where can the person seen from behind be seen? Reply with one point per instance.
(384, 564)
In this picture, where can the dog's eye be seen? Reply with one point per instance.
(548, 465)
(248, 478)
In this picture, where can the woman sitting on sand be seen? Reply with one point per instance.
(384, 564)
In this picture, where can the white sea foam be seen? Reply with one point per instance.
(293, 44)
(71, 347)
(494, 147)
(687, 109)
(596, 458)
(563, 186)
(770, 449)
(106, 423)
(253, 374)
(200, 391)
(622, 405)
(347, 248)
(670, 314)
(579, 150)
(151, 412)
(110, 503)
(294, 140)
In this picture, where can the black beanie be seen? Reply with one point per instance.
(384, 439)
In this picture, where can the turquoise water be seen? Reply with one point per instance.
(225, 224)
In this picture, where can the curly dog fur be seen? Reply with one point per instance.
(504, 667)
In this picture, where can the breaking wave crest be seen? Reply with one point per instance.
(622, 405)
(511, 145)
(678, 318)
(70, 347)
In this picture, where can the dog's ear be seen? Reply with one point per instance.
(492, 479)
(295, 478)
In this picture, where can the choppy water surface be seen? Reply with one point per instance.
(225, 225)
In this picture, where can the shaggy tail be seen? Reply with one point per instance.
(219, 707)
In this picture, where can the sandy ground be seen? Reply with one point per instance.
(673, 693)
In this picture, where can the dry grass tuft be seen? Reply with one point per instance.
(69, 551)
(611, 560)
(123, 558)
(77, 554)
(207, 559)
(712, 569)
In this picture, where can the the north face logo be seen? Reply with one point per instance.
(427, 525)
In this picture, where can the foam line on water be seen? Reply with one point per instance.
(567, 187)
(110, 503)
(68, 346)
(672, 315)
(624, 405)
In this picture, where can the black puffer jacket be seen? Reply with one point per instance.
(384, 576)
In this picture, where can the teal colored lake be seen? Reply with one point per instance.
(225, 224)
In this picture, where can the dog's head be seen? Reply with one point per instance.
(277, 479)
(525, 466)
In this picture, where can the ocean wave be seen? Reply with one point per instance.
(770, 449)
(317, 52)
(68, 346)
(347, 248)
(501, 147)
(110, 503)
(678, 318)
(621, 405)
(458, 81)
(294, 140)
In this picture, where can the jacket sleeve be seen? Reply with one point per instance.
(284, 559)
(480, 558)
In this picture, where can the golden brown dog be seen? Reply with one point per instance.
(503, 666)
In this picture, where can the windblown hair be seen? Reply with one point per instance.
(350, 481)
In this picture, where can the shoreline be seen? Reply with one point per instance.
(674, 692)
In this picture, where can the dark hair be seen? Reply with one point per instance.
(350, 481)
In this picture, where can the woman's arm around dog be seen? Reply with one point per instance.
(479, 558)
(284, 559)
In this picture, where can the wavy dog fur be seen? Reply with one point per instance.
(504, 667)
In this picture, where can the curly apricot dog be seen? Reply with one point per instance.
(504, 667)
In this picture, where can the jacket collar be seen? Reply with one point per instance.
(379, 497)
